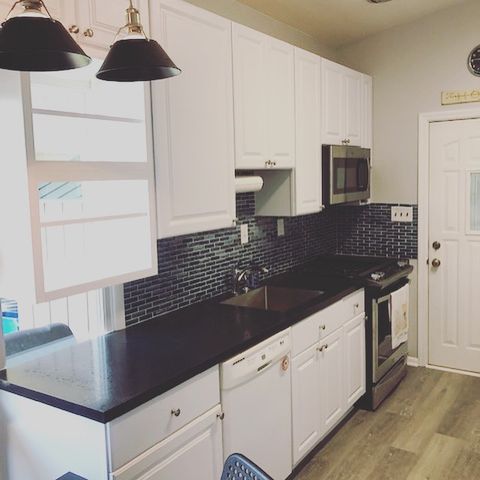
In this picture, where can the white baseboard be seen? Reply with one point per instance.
(453, 370)
(412, 361)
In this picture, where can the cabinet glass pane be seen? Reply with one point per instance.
(79, 91)
(93, 230)
(475, 202)
(59, 138)
(79, 118)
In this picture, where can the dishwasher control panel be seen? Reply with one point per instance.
(255, 360)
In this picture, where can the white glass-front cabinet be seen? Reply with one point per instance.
(342, 101)
(263, 75)
(193, 121)
(78, 186)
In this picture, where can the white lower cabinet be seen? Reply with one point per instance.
(306, 391)
(332, 374)
(355, 373)
(195, 451)
(328, 377)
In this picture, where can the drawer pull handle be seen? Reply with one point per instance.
(176, 412)
(322, 348)
(323, 327)
(221, 416)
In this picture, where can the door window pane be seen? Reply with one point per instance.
(475, 202)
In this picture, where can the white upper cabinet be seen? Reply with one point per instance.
(281, 103)
(193, 121)
(343, 105)
(367, 85)
(264, 100)
(307, 127)
(353, 107)
(98, 21)
(251, 143)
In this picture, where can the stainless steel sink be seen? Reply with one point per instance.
(277, 299)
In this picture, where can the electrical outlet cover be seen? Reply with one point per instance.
(402, 214)
(244, 233)
(281, 227)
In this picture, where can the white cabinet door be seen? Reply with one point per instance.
(342, 99)
(99, 21)
(333, 102)
(333, 379)
(195, 451)
(367, 112)
(307, 127)
(306, 404)
(355, 359)
(353, 106)
(249, 57)
(193, 121)
(281, 103)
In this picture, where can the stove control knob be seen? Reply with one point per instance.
(377, 276)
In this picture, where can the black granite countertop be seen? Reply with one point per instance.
(104, 378)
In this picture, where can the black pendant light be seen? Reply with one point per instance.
(33, 41)
(136, 58)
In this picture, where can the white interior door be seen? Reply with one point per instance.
(454, 242)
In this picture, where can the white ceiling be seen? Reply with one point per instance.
(341, 22)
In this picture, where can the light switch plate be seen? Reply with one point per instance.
(244, 233)
(402, 214)
(280, 227)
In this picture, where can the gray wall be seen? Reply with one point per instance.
(245, 15)
(411, 66)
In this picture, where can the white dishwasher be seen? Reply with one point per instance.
(256, 400)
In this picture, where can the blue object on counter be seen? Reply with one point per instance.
(9, 324)
(239, 467)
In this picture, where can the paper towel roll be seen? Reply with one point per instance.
(248, 184)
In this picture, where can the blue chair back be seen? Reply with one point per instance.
(239, 467)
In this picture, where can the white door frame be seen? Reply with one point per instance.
(424, 121)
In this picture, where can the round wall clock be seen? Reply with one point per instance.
(474, 61)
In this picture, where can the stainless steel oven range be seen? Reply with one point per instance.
(381, 277)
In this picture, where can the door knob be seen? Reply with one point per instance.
(74, 29)
(89, 33)
(436, 263)
(436, 245)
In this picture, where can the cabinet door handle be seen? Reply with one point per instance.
(89, 33)
(74, 29)
(176, 412)
(323, 327)
(221, 416)
(322, 348)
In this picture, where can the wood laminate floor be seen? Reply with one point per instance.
(428, 429)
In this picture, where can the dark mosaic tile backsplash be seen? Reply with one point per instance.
(368, 230)
(193, 268)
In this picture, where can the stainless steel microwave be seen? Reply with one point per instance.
(345, 174)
